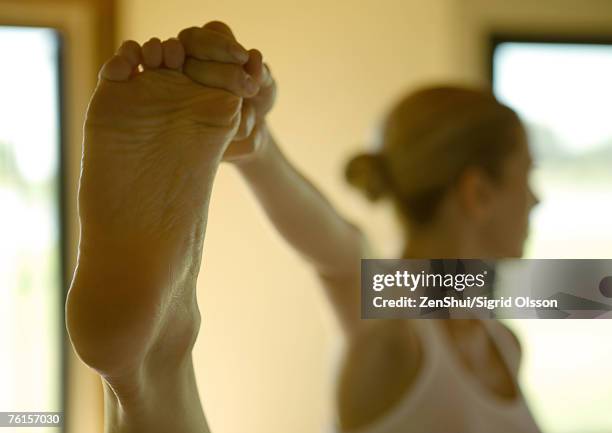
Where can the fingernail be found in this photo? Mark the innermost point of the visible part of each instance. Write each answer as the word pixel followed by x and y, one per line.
pixel 251 85
pixel 239 53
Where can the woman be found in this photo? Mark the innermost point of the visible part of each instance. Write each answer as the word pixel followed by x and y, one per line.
pixel 455 164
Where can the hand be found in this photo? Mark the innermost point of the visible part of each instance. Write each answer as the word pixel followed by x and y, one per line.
pixel 252 134
pixel 252 143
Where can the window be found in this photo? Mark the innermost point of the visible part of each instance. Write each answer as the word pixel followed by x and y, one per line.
pixel 563 92
pixel 31 289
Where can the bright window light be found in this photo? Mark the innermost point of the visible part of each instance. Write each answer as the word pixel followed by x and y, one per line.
pixel 563 93
pixel 30 266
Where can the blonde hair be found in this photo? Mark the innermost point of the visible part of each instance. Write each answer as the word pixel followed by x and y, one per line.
pixel 429 138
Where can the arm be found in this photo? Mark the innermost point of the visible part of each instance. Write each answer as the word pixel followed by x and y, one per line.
pixel 383 358
pixel 306 219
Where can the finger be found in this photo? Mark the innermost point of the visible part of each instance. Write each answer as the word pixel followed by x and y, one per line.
pixel 220 27
pixel 247 121
pixel 173 53
pixel 266 79
pixel 240 149
pixel 258 69
pixel 117 68
pixel 227 76
pixel 152 53
pixel 206 44
pixel 254 65
pixel 130 50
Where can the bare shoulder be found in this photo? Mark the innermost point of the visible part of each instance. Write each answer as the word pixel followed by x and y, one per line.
pixel 381 364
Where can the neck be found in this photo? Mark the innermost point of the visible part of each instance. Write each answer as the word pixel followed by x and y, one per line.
pixel 440 241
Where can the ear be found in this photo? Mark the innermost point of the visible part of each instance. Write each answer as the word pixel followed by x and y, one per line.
pixel 476 194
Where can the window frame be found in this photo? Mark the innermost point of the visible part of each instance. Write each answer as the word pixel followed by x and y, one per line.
pixel 86 32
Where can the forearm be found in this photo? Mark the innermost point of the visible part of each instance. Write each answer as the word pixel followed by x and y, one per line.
pixel 301 214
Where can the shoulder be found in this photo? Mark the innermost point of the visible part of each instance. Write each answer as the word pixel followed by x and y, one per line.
pixel 381 364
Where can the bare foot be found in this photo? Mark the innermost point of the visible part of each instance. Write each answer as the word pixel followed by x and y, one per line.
pixel 153 141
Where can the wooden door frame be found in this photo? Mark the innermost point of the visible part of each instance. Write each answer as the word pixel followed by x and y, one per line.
pixel 87 32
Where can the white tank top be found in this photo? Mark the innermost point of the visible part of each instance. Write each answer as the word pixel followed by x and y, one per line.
pixel 446 398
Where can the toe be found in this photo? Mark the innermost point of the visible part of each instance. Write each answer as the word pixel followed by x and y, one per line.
pixel 220 27
pixel 173 53
pixel 152 53
pixel 118 68
pixel 132 53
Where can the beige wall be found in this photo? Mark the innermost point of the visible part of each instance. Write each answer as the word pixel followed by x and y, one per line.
pixel 264 353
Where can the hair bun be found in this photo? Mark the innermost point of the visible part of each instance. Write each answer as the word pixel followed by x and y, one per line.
pixel 367 172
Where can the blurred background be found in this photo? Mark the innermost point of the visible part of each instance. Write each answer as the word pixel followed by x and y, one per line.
pixel 268 343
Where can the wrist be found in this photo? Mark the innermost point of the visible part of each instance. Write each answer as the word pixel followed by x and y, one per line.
pixel 265 150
